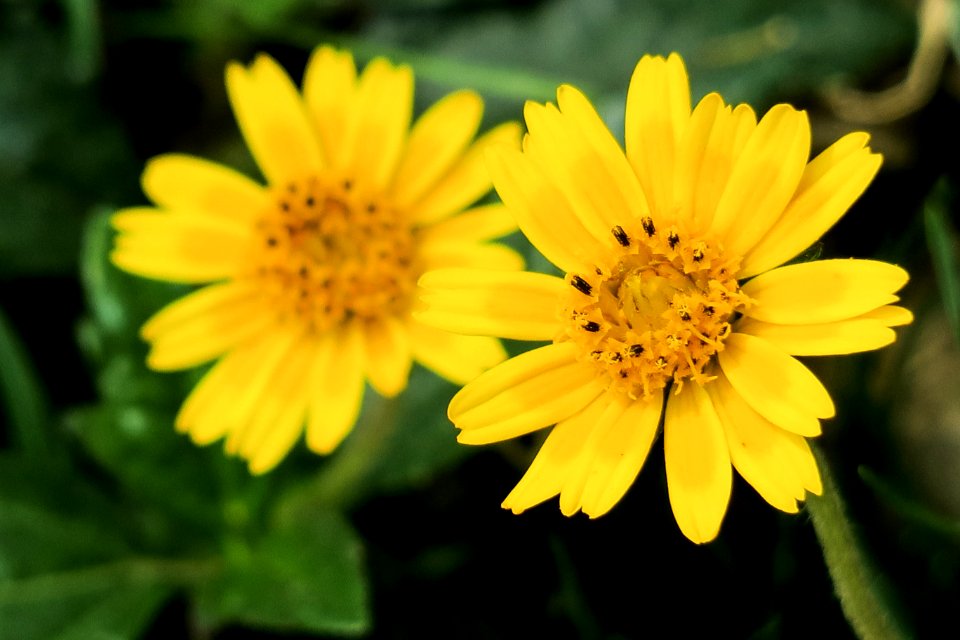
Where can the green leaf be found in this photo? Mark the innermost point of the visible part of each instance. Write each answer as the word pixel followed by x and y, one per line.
pixel 306 574
pixel 23 395
pixel 953 27
pixel 908 508
pixel 866 598
pixel 942 244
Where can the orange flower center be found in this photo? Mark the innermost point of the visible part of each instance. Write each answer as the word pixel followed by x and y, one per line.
pixel 330 251
pixel 659 312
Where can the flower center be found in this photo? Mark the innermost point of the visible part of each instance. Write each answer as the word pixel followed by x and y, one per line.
pixel 330 251
pixel 659 312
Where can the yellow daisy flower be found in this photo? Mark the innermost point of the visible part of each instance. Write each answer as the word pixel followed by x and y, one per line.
pixel 674 305
pixel 314 274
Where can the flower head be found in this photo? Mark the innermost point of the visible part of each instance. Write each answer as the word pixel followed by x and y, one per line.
pixel 314 274
pixel 674 309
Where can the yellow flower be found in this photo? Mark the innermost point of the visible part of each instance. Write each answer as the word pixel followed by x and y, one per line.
pixel 315 273
pixel 673 302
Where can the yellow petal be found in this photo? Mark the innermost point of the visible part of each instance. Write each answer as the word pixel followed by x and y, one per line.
pixel 179 248
pixel 764 178
pixel 438 139
pixel 329 88
pixel 607 409
pixel 273 120
pixel 830 338
pixel 543 214
pixel 699 477
pixel 277 420
pixel 470 255
pixel 552 465
pixel 467 180
pixel 776 385
pixel 387 355
pixel 336 384
pixel 279 347
pixel 621 455
pixel 510 373
pixel 577 154
pixel 823 291
pixel 533 404
pixel 378 123
pixel 204 325
pixel 657 114
pixel 890 316
pixel 777 463
pixel 188 184
pixel 459 359
pixel 509 304
pixel 830 184
pixel 214 395
pixel 475 225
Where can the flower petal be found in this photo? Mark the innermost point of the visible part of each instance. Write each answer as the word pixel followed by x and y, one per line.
pixel 475 225
pixel 329 89
pixel 178 248
pixel 657 114
pixel 378 123
pixel 542 213
pixel 830 184
pixel 890 315
pixel 188 184
pixel 273 120
pixel 559 454
pixel 469 255
pixel 531 391
pixel 439 137
pixel 336 384
pixel 467 180
pixel 764 178
pixel 509 304
pixel 620 454
pixel 830 338
pixel 457 358
pixel 777 463
pixel 776 385
pixel 387 356
pixel 699 477
pixel 823 291
pixel 204 325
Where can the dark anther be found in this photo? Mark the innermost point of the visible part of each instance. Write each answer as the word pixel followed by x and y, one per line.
pixel 598 270
pixel 684 314
pixel 581 285
pixel 271 241
pixel 621 236
pixel 591 326
pixel 647 224
pixel 310 201
pixel 616 357
pixel 661 361
pixel 597 353
pixel 623 374
pixel 673 239
pixel 347 185
pixel 636 349
pixel 285 206
pixel 304 272
pixel 709 310
pixel 371 208
pixel 697 255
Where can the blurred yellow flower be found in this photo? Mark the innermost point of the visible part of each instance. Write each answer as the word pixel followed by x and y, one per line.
pixel 315 273
pixel 673 304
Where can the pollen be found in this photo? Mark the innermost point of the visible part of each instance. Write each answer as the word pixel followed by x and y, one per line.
pixel 329 252
pixel 659 312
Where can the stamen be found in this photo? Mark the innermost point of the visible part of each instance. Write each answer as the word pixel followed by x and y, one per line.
pixel 621 236
pixel 581 285
pixel 648 228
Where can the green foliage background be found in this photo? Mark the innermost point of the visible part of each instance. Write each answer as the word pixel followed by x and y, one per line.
pixel 113 526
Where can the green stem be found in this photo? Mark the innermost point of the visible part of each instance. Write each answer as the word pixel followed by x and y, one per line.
pixel 865 598
pixel 22 393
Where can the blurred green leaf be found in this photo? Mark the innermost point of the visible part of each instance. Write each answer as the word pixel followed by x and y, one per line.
pixel 305 574
pixel 864 594
pixel 942 244
pixel 910 509
pixel 953 26
pixel 24 397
